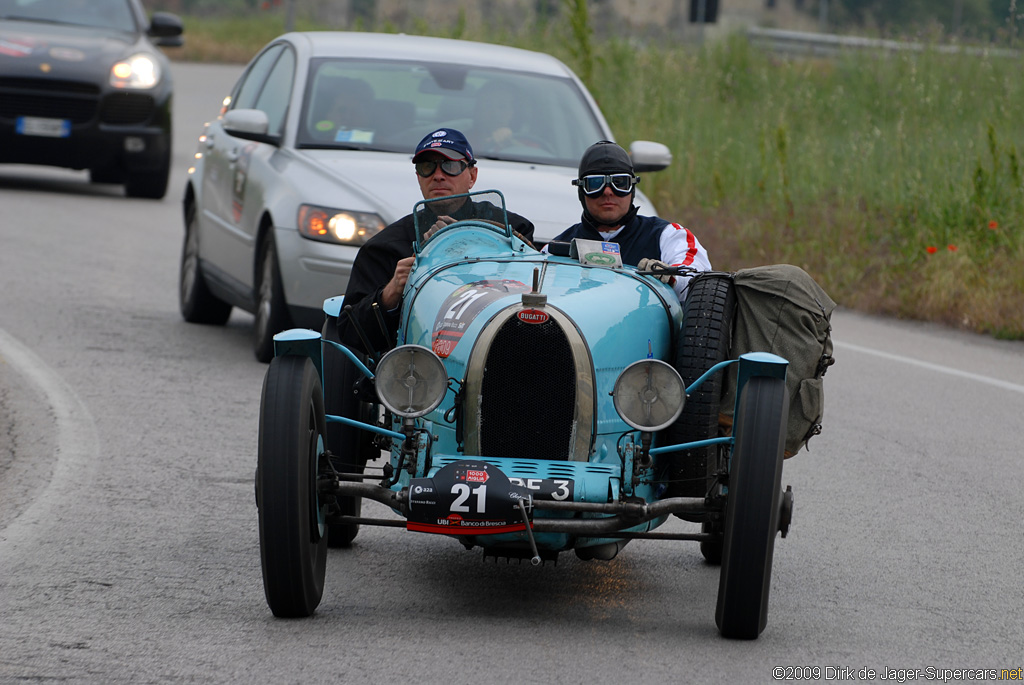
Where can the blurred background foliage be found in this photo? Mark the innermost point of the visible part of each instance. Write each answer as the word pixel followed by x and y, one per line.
pixel 894 177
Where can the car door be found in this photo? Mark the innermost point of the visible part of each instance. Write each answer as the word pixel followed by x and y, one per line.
pixel 230 240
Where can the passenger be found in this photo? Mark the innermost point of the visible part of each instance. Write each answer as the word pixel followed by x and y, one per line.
pixel 348 118
pixel 607 187
pixel 494 117
pixel 445 166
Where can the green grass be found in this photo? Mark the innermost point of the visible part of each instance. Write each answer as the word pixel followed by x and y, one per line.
pixel 851 168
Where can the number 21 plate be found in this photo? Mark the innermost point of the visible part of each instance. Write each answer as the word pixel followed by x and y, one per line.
pixel 466 498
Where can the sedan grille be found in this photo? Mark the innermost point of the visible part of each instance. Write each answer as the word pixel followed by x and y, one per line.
pixel 528 392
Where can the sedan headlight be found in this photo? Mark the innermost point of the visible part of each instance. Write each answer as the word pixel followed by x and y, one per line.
pixel 649 395
pixel 137 71
pixel 338 225
pixel 411 381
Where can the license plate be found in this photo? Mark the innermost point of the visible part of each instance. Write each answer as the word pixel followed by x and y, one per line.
pixel 40 126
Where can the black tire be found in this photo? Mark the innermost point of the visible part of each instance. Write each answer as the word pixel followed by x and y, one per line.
pixel 351 448
pixel 196 302
pixel 149 184
pixel 271 310
pixel 752 514
pixel 293 533
pixel 705 340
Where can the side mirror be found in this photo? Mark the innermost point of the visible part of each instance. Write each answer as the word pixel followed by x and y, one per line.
pixel 649 156
pixel 249 124
pixel 166 28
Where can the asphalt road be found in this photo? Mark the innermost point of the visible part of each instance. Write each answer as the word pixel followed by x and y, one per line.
pixel 129 550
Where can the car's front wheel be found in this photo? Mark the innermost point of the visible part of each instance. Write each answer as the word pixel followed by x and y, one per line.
pixel 149 184
pixel 292 517
pixel 271 310
pixel 752 513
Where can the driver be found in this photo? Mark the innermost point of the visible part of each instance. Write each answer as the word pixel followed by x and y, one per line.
pixel 445 166
pixel 607 188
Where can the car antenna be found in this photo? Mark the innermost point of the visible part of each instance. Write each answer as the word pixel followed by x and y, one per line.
pixel 361 333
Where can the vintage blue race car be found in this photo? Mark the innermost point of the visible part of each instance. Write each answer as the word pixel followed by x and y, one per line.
pixel 532 404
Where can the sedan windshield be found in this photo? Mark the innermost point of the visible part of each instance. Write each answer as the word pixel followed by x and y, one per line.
pixel 383 105
pixel 114 14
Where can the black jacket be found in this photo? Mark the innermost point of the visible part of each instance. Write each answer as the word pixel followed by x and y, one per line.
pixel 375 265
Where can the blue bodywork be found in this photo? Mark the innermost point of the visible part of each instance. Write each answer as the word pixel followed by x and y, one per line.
pixel 468 279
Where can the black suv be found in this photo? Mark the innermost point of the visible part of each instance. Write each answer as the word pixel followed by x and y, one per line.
pixel 83 86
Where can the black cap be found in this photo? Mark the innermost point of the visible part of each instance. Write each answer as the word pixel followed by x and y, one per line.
pixel 605 157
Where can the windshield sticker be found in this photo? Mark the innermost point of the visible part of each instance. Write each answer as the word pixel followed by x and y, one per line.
pixel 353 135
pixel 462 306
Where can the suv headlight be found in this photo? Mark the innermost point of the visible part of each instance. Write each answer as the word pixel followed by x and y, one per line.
pixel 411 381
pixel 649 395
pixel 338 226
pixel 138 71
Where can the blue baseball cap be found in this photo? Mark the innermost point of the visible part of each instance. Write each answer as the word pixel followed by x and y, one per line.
pixel 447 141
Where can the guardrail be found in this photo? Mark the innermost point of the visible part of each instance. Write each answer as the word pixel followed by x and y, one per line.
pixel 802 43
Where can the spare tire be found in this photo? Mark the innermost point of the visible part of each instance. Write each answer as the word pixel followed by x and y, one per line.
pixel 705 340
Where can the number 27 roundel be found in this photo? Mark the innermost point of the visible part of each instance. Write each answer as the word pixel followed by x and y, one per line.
pixel 466 498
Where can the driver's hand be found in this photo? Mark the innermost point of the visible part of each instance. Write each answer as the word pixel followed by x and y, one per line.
pixel 441 222
pixel 391 295
pixel 654 265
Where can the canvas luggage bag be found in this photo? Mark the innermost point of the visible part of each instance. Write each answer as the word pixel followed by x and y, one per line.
pixel 782 310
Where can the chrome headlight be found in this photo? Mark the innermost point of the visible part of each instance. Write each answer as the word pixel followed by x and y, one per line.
pixel 649 395
pixel 411 381
pixel 339 226
pixel 138 71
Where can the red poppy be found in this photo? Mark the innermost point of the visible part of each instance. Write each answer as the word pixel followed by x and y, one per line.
pixel 951 248
pixel 993 225
pixel 931 249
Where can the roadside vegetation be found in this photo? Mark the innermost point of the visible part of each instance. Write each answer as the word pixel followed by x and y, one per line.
pixel 896 179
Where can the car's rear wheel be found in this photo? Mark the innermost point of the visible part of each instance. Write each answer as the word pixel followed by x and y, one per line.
pixel 351 448
pixel 752 513
pixel 293 531
pixel 271 311
pixel 705 340
pixel 196 302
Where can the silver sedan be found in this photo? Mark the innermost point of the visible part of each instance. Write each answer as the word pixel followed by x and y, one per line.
pixel 310 156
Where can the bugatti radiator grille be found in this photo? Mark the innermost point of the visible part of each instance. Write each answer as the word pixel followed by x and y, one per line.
pixel 528 392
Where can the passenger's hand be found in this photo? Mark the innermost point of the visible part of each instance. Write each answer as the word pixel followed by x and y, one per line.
pixel 654 265
pixel 391 296
pixel 441 222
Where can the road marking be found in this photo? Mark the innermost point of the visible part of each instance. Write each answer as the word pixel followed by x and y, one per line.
pixel 1005 385
pixel 77 443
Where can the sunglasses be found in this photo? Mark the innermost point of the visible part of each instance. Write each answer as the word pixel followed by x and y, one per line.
pixel 451 167
pixel 622 184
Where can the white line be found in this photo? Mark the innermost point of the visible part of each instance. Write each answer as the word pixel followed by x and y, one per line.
pixel 77 443
pixel 1006 385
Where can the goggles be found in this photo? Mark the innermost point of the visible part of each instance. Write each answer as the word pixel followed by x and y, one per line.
pixel 451 167
pixel 622 184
